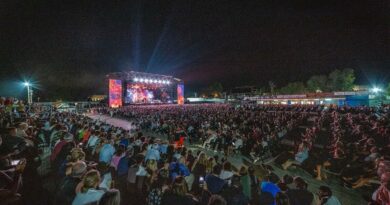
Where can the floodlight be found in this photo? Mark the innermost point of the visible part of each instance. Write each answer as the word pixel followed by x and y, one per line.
pixel 376 90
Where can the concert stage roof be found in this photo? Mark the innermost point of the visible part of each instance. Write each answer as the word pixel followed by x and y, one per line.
pixel 146 78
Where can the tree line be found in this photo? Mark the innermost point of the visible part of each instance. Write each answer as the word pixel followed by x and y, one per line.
pixel 337 80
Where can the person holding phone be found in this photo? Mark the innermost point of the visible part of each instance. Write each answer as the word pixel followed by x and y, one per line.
pixel 12 178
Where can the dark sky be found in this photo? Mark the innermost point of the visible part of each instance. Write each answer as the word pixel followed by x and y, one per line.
pixel 68 46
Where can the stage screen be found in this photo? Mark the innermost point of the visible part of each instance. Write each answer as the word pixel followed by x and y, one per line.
pixel 140 94
pixel 180 94
pixel 115 93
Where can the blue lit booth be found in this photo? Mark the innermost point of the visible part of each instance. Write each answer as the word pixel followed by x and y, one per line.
pixel 128 88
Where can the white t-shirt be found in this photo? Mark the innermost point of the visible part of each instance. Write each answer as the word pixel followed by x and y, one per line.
pixel 226 175
pixel 333 201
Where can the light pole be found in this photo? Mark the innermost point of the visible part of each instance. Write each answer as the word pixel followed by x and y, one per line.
pixel 29 92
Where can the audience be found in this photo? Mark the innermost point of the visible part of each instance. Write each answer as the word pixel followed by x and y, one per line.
pixel 91 162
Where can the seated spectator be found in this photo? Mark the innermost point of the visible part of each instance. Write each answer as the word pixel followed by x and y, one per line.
pixel 11 182
pixel 282 199
pixel 66 192
pixel 158 186
pixel 382 194
pixel 178 194
pixel 300 156
pixel 86 190
pixel 217 200
pixel 76 154
pixel 110 197
pixel 106 152
pixel 300 195
pixel 286 183
pixel 326 197
pixel 119 153
pixel 107 181
pixel 266 198
pixel 269 185
pixel 234 194
pixel 245 182
pixel 199 169
pixel 153 153
pixel 213 182
pixel 178 168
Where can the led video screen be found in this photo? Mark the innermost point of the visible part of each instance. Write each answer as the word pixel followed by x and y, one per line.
pixel 180 94
pixel 115 93
pixel 138 94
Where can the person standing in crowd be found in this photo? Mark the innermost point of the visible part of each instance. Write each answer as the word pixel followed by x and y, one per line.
pixel 178 194
pixel 245 182
pixel 199 170
pixel 213 182
pixel 226 173
pixel 153 153
pixel 269 185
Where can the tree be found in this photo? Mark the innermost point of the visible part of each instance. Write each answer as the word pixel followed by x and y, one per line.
pixel 293 88
pixel 317 83
pixel 214 90
pixel 341 80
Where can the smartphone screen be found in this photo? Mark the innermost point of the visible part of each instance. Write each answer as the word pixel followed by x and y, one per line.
pixel 15 162
pixel 201 181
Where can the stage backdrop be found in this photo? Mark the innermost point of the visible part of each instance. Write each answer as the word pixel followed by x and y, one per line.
pixel 115 93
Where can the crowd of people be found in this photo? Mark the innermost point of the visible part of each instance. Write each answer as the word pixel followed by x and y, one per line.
pixel 91 162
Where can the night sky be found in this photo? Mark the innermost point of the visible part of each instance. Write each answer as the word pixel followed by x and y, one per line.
pixel 68 46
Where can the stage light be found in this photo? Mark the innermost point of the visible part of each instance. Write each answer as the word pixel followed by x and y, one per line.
pixel 27 84
pixel 168 82
pixel 376 90
pixel 141 80
pixel 159 81
pixel 135 79
pixel 154 81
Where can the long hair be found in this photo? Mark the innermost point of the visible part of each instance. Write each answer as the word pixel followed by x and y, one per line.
pixel 202 159
pixel 179 186
pixel 90 180
pixel 111 197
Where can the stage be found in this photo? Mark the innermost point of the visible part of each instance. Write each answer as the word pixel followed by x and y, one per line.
pixel 129 88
